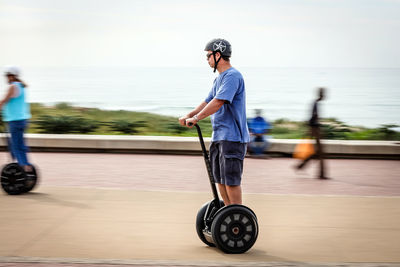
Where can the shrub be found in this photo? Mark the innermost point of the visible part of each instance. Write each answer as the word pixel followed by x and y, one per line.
pixel 280 130
pixel 387 133
pixel 83 125
pixel 126 127
pixel 282 121
pixel 331 131
pixel 63 105
pixel 61 124
pixel 175 127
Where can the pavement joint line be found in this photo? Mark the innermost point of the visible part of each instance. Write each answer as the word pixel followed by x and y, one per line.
pixel 117 262
pixel 202 192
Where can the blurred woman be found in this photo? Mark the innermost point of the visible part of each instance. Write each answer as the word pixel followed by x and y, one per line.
pixel 16 113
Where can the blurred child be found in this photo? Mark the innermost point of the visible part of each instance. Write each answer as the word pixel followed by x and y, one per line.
pixel 258 128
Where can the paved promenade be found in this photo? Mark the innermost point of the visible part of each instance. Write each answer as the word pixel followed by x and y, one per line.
pixel 139 210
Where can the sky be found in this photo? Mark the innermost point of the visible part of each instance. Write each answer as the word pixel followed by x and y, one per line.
pixel 271 33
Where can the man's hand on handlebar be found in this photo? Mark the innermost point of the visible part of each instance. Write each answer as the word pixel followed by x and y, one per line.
pixel 191 122
pixel 182 120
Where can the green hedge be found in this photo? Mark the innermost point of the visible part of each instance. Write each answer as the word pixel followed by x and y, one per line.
pixel 62 124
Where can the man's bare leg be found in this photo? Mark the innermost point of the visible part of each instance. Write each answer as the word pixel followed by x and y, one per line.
pixel 234 194
pixel 224 195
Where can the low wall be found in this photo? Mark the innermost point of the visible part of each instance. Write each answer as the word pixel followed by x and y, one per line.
pixel 190 145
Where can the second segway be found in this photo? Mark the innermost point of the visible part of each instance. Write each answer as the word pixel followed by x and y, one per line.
pixel 233 228
pixel 14 180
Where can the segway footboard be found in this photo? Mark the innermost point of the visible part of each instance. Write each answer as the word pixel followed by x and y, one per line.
pixel 204 220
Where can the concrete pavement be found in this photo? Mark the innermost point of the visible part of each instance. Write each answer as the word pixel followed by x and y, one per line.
pixel 140 210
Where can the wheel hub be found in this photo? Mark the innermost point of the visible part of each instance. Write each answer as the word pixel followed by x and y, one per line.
pixel 235 230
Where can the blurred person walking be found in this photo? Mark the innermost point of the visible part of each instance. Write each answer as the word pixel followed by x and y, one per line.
pixel 16 113
pixel 226 103
pixel 315 132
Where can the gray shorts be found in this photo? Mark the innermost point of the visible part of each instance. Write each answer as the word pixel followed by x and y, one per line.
pixel 226 160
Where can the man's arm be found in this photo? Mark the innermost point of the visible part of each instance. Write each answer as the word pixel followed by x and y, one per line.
pixel 212 107
pixel 198 109
pixel 182 120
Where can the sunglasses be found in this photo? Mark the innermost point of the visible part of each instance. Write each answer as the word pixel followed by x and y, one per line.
pixel 208 56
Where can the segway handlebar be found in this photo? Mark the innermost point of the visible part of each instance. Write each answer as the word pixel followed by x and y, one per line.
pixel 208 165
pixel 203 146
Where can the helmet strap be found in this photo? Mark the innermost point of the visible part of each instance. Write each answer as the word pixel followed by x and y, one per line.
pixel 216 61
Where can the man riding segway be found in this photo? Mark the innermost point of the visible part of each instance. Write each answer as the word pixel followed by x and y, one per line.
pixel 226 103
pixel 230 226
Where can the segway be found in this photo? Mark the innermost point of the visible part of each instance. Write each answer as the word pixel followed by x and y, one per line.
pixel 14 180
pixel 233 228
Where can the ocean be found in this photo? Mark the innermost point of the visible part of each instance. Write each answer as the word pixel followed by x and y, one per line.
pixel 366 97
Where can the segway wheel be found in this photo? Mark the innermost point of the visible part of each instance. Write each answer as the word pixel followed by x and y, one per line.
pixel 31 179
pixel 235 229
pixel 200 225
pixel 13 179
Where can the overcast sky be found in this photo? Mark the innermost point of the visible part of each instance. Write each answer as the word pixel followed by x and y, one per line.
pixel 280 33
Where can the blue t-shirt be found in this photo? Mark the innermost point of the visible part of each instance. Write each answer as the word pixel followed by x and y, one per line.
pixel 229 122
pixel 258 125
pixel 16 108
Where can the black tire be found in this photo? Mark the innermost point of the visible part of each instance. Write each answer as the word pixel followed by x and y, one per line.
pixel 30 180
pixel 235 229
pixel 13 179
pixel 200 222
